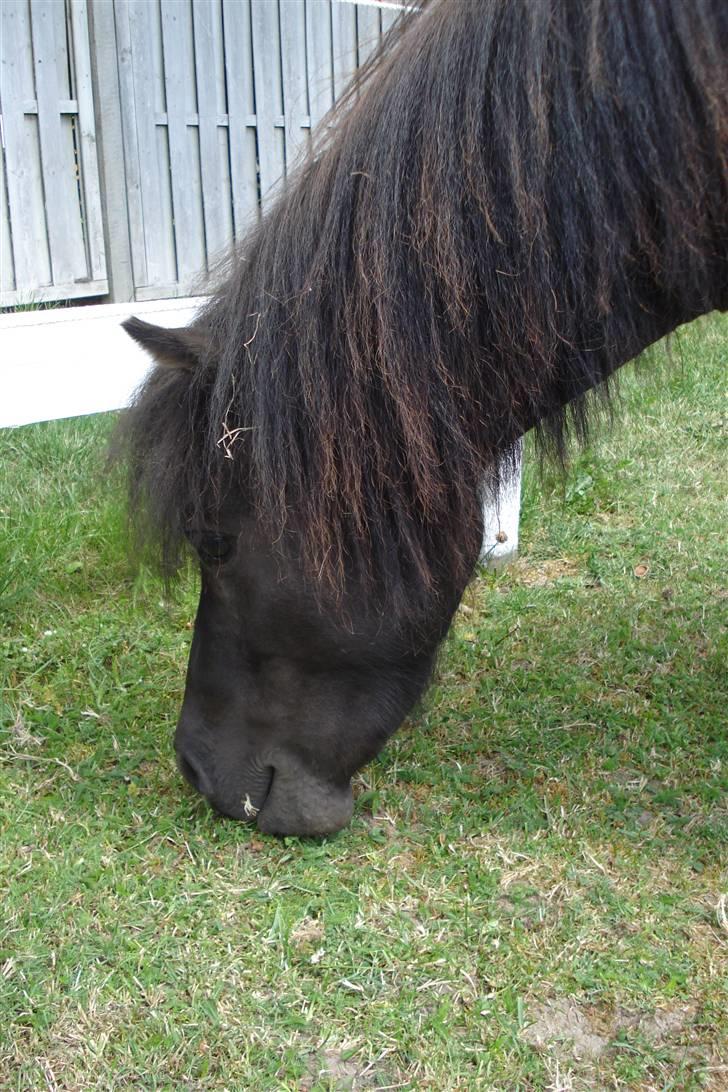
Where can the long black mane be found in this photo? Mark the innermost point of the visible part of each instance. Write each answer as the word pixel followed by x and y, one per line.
pixel 516 197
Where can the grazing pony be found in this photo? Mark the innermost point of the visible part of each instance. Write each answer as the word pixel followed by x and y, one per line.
pixel 515 198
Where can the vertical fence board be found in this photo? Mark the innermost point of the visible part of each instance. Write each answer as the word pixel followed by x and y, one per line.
pixel 240 106
pixel 86 135
pixel 145 178
pixel 215 201
pixel 161 135
pixel 343 30
pixel 106 90
pixel 131 138
pixel 178 79
pixel 68 259
pixel 223 136
pixel 7 271
pixel 22 163
pixel 157 239
pixel 268 104
pixel 319 59
pixel 367 31
pixel 55 13
pixel 389 17
pixel 293 61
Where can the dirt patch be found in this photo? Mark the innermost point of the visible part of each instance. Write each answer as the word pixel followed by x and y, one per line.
pixel 562 1022
pixel 660 1026
pixel 332 1069
pixel 567 1028
pixel 491 768
pixel 542 574
pixel 308 932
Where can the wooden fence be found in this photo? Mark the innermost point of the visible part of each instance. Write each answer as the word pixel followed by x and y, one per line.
pixel 51 233
pixel 198 109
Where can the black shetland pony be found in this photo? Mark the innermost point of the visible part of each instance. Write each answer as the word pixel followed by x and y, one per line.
pixel 516 198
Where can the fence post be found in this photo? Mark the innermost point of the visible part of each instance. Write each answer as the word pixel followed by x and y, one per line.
pixel 501 518
pixel 107 106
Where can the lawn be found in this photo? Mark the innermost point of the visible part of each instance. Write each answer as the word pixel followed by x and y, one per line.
pixel 533 891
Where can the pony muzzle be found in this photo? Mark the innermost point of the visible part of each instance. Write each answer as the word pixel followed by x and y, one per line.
pixel 285 799
pixel 300 803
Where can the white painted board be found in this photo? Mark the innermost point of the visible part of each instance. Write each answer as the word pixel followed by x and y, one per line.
pixel 501 518
pixel 71 361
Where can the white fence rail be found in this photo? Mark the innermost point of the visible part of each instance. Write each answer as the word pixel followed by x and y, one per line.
pixel 71 361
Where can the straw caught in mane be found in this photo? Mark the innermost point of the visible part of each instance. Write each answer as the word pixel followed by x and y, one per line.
pixel 517 197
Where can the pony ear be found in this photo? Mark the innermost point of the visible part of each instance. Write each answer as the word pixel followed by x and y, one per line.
pixel 172 347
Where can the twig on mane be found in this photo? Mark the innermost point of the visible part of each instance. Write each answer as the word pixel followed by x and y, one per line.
pixel 230 435
pixel 251 339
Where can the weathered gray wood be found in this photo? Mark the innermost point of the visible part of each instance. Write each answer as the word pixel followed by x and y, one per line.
pixel 319 59
pixel 158 237
pixel 184 170
pixel 240 107
pixel 268 97
pixel 368 26
pixel 131 141
pixel 51 293
pixel 343 30
pixel 169 271
pixel 223 143
pixel 22 161
pixel 110 143
pixel 87 142
pixel 52 176
pixel 207 103
pixel 295 96
pixel 56 14
pixel 68 259
pixel 390 15
pixel 215 197
pixel 65 106
pixel 7 272
pixel 133 19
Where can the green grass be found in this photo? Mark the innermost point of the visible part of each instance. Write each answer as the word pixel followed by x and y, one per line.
pixel 532 893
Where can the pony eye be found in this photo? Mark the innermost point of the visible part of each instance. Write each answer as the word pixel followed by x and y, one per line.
pixel 213 548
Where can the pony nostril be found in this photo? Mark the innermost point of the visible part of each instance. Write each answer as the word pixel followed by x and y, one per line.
pixel 192 772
